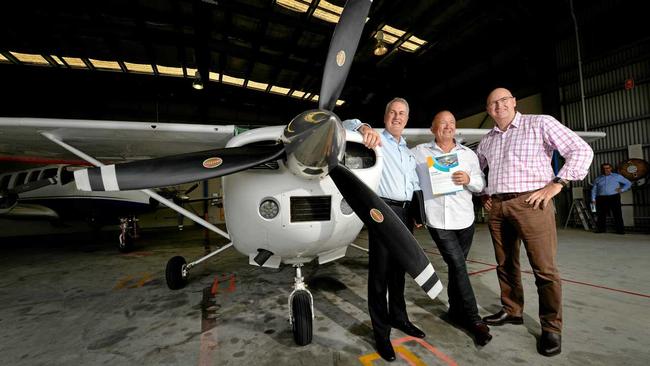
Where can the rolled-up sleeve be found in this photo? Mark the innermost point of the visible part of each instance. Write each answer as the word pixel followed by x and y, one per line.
pixel 576 152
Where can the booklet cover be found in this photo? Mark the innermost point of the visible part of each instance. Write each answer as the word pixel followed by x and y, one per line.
pixel 441 168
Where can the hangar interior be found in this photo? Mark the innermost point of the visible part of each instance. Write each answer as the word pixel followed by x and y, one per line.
pixel 256 63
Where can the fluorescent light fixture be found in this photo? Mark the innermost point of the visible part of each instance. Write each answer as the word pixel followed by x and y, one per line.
pixel 3 59
pixel 315 98
pixel 214 76
pixel 340 102
pixel 139 68
pixel 105 65
pixel 29 58
pixel 75 62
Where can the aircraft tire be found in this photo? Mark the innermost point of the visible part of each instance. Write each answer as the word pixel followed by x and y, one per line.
pixel 302 321
pixel 174 273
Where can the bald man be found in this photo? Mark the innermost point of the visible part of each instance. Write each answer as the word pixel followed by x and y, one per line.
pixel 521 186
pixel 450 220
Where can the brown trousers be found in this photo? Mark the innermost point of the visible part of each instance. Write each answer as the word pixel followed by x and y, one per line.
pixel 511 220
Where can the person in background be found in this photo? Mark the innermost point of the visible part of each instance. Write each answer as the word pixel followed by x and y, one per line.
pixel 606 195
pixel 450 220
pixel 396 186
pixel 521 186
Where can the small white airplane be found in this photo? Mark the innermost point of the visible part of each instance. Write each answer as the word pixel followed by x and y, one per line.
pixel 292 194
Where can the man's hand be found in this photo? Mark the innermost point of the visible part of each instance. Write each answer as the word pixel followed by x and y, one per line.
pixel 487 202
pixel 371 137
pixel 619 190
pixel 541 197
pixel 460 178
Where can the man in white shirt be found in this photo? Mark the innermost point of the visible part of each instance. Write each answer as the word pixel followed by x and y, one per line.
pixel 450 219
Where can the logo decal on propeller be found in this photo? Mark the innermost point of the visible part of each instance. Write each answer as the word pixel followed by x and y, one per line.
pixel 340 58
pixel 376 215
pixel 211 163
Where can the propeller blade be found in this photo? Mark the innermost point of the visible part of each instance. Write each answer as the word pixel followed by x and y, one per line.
pixel 376 214
pixel 341 52
pixel 176 169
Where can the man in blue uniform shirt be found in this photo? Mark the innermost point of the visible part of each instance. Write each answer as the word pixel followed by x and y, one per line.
pixel 396 186
pixel 606 194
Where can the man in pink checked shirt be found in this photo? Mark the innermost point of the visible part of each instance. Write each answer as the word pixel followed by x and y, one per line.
pixel 521 185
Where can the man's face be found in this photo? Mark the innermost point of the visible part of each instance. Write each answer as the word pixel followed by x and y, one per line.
pixel 607 169
pixel 444 126
pixel 501 105
pixel 395 119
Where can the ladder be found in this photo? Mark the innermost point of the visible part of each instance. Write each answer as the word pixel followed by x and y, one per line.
pixel 579 210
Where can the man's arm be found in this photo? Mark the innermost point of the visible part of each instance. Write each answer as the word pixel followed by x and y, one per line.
pixel 371 138
pixel 476 179
pixel 594 190
pixel 576 152
pixel 625 182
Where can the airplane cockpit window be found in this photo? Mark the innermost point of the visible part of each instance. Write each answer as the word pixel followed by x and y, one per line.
pixel 357 156
pixel 33 176
pixel 49 173
pixel 4 182
pixel 66 176
pixel 20 179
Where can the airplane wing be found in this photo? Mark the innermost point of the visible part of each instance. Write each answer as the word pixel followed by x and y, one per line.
pixel 471 136
pixel 113 141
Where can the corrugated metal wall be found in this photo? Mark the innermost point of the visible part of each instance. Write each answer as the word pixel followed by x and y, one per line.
pixel 624 114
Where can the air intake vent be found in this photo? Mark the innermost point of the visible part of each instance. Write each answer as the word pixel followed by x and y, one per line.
pixel 313 208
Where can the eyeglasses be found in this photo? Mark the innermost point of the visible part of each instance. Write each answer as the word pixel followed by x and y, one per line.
pixel 499 101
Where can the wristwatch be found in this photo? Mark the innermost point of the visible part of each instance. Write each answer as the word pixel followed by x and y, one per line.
pixel 563 182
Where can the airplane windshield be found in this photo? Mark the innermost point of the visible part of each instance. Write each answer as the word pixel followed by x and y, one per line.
pixel 357 156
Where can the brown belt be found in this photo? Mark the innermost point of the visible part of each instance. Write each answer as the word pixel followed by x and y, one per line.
pixel 509 196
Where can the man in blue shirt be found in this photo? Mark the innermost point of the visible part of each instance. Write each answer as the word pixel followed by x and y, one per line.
pixel 396 186
pixel 606 194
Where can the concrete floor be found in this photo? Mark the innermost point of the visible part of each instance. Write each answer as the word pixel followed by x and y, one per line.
pixel 73 300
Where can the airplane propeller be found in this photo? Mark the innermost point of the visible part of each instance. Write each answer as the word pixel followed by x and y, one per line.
pixel 313 144
pixel 9 197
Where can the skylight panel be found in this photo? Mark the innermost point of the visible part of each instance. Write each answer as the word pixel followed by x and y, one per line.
pixel 279 90
pixel 3 59
pixel 172 71
pixel 232 80
pixel 340 102
pixel 300 6
pixel 29 58
pixel 105 65
pixel 298 94
pixel 139 68
pixel 257 86
pixel 214 76
pixel 75 62
pixel 58 60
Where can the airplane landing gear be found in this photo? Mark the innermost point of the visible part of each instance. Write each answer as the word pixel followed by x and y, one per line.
pixel 301 309
pixel 176 273
pixel 129 231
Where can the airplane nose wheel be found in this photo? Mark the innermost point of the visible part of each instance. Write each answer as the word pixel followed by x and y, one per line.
pixel 176 273
pixel 301 306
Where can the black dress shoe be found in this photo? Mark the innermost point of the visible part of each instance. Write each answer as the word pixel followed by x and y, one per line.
pixel 550 344
pixel 385 349
pixel 502 318
pixel 481 333
pixel 409 328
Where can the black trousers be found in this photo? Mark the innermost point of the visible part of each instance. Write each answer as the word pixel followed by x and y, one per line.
pixel 454 246
pixel 605 204
pixel 385 274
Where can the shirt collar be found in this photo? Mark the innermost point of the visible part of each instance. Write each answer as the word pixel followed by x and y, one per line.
pixel 434 146
pixel 402 140
pixel 515 124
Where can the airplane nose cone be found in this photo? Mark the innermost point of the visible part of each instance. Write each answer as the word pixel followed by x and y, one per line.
pixel 314 143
